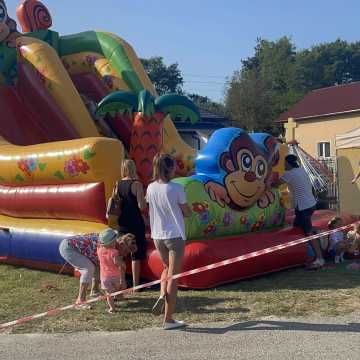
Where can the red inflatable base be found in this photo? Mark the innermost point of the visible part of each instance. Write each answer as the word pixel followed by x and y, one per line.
pixel 201 253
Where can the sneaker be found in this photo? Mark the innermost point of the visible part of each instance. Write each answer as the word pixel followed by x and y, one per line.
pixel 317 264
pixel 337 259
pixel 173 325
pixel 159 306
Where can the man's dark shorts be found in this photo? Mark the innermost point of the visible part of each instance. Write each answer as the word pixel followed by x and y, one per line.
pixel 303 220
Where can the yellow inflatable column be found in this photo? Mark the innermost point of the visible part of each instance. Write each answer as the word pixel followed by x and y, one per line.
pixel 57 81
pixel 173 144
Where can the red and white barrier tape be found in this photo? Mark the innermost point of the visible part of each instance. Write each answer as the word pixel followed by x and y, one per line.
pixel 177 276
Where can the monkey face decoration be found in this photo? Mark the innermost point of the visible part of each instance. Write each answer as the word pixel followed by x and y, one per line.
pixel 8 31
pixel 235 168
pixel 247 169
pixel 4 28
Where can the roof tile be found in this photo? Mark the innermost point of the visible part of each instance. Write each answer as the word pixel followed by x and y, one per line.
pixel 330 100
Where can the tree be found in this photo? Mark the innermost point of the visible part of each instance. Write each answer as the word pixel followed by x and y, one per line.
pixel 277 77
pixel 329 64
pixel 166 79
pixel 247 101
pixel 205 104
pixel 265 86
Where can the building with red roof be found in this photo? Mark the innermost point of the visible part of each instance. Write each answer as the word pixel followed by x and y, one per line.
pixel 322 114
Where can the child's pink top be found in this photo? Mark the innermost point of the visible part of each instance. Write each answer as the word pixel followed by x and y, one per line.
pixel 108 268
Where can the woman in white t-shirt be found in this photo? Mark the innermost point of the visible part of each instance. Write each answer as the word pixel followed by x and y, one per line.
pixel 167 207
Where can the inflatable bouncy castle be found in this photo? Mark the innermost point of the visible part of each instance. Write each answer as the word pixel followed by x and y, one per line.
pixel 72 107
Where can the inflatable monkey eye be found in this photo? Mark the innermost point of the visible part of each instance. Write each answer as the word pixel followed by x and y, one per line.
pixel 260 169
pixel 3 13
pixel 246 161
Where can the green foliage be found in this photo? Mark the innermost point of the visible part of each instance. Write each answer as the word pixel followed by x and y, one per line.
pixel 168 79
pixel 205 104
pixel 264 87
pixel 329 64
pixel 248 102
pixel 278 76
pixel 165 78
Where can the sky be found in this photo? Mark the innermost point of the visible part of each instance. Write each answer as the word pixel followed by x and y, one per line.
pixel 207 38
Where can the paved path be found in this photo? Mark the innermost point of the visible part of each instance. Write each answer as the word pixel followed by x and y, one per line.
pixel 270 338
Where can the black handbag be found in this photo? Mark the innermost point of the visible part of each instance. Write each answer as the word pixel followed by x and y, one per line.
pixel 114 206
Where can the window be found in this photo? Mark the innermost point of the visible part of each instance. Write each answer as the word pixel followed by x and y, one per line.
pixel 323 149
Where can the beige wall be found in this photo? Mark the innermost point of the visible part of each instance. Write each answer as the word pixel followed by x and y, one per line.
pixel 349 194
pixel 309 133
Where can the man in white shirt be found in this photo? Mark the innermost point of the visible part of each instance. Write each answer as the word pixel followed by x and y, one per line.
pixel 304 201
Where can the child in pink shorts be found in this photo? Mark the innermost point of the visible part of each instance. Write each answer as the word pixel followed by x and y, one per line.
pixel 110 263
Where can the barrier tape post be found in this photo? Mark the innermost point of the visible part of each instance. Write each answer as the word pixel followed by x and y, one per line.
pixel 177 276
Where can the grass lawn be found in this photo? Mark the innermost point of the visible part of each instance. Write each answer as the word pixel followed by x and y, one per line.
pixel 291 293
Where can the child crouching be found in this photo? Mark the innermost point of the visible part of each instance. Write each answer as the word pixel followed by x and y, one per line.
pixel 110 264
pixel 338 242
pixel 354 238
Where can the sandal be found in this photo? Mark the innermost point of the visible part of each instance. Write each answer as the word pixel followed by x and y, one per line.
pixel 159 306
pixel 82 306
pixel 112 311
pixel 95 294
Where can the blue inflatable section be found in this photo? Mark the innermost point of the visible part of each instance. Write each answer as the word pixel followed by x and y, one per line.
pixel 4 243
pixel 34 246
pixel 207 162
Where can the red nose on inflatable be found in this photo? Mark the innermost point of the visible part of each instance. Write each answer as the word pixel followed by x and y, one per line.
pixel 250 176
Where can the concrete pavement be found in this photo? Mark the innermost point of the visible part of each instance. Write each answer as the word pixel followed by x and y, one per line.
pixel 270 338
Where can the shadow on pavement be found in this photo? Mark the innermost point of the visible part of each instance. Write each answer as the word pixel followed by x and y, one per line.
pixel 277 326
pixel 197 305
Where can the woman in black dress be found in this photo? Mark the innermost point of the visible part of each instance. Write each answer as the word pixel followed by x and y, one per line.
pixel 131 221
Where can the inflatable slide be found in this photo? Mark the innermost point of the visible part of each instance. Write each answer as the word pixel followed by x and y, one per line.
pixel 72 107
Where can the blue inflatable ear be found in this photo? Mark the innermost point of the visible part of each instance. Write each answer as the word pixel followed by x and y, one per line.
pixel 207 162
pixel 268 144
pixel 234 166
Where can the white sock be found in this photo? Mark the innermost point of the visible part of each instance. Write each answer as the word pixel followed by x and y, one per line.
pixel 337 259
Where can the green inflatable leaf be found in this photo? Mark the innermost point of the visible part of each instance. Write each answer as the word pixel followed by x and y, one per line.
pixel 146 103
pixel 42 166
pixel 19 178
pixel 118 101
pixel 178 106
pixel 59 175
pixel 88 154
